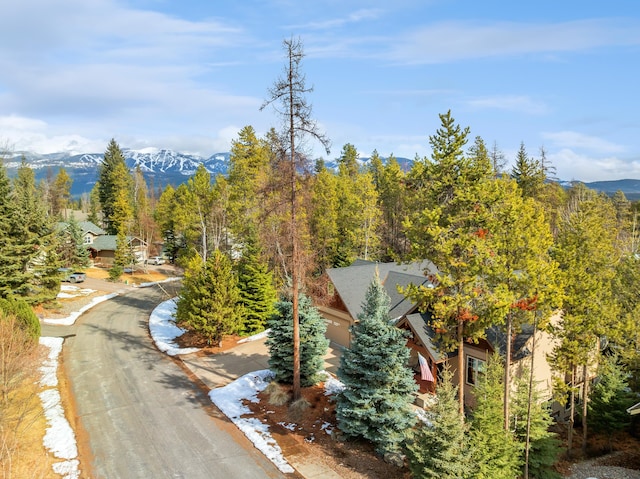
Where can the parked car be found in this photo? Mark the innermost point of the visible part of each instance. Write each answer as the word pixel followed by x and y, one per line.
pixel 71 276
pixel 156 260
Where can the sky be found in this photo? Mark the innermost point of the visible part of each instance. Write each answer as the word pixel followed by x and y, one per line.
pixel 189 75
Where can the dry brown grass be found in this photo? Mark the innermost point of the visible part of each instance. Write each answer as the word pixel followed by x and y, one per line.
pixel 137 277
pixel 22 422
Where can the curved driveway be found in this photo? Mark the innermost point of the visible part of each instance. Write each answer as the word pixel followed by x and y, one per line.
pixel 144 417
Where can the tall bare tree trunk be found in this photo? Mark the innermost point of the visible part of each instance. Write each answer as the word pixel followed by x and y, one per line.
pixel 460 369
pixel 294 247
pixel 527 439
pixel 585 402
pixel 507 373
pixel 572 411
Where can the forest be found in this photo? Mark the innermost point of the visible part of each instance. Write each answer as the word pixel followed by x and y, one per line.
pixel 511 247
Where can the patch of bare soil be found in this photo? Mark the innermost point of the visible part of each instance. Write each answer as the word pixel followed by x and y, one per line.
pixel 309 433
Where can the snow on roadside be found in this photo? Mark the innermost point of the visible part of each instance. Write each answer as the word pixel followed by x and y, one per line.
pixel 69 320
pixel 163 329
pixel 229 400
pixel 59 438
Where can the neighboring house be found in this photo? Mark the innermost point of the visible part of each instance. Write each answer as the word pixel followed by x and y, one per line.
pixel 347 291
pixel 102 247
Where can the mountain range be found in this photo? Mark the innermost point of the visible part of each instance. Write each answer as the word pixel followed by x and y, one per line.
pixel 162 167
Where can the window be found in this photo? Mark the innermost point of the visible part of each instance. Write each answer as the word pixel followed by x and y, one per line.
pixel 475 367
pixel 87 239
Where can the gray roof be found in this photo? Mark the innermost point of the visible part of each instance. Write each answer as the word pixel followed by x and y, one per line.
pixel 108 242
pixel 425 334
pixel 104 243
pixel 352 282
pixel 89 227
pixel 498 341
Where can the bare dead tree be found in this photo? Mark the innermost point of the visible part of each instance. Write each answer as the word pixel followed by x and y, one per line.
pixel 288 98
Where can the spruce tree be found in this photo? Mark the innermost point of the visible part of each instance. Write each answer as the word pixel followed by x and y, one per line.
pixel 10 266
pixel 610 399
pixel 114 180
pixel 439 448
pixel 313 343
pixel 35 241
pixel 496 454
pixel 376 401
pixel 208 301
pixel 257 292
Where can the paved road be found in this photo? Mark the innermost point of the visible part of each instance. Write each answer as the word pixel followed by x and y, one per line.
pixel 144 417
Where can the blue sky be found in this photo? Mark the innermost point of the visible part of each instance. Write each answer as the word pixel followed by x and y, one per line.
pixel 188 75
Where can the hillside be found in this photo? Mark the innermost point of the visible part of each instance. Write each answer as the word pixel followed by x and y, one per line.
pixel 162 167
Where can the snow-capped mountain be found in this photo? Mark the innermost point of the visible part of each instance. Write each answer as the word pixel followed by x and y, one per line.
pixel 160 167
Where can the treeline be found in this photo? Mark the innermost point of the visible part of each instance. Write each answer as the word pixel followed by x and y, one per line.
pixel 511 247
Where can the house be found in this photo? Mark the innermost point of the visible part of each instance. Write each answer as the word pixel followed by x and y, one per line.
pixel 102 246
pixel 347 289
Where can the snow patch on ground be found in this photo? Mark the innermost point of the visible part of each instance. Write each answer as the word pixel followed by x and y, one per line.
pixel 164 330
pixel 59 438
pixel 255 337
pixel 69 320
pixel 229 400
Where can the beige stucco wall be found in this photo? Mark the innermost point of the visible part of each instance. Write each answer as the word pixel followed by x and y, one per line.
pixel 338 323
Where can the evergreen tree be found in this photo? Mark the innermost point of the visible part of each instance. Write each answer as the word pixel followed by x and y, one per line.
pixel 544 446
pixel 390 182
pixel 37 278
pixel 528 173
pixel 248 173
pixel 451 214
pixel 10 266
pixel 208 301
pixel 313 343
pixel 440 448
pixel 257 292
pixel 23 312
pixel 114 181
pixel 586 254
pixel 72 251
pixel 376 401
pixel 610 399
pixel 324 217
pixel 60 193
pixel 496 454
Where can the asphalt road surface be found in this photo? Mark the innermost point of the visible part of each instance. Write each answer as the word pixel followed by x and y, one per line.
pixel 144 417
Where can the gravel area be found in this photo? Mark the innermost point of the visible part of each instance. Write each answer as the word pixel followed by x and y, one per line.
pixel 595 469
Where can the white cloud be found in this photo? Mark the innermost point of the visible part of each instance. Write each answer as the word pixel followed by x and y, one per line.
pixel 580 141
pixel 354 17
pixel 517 103
pixel 457 40
pixel 571 165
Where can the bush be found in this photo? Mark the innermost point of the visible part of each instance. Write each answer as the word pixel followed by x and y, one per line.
pixel 26 318
pixel 115 272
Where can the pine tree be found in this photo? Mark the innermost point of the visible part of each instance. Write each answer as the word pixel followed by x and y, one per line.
pixel 440 447
pixel 448 224
pixel 544 446
pixel 313 344
pixel 586 254
pixel 324 217
pixel 208 301
pixel 610 399
pixel 496 454
pixel 376 401
pixel 257 292
pixel 288 95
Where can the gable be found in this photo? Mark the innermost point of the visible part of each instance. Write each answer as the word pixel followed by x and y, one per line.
pixel 351 283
